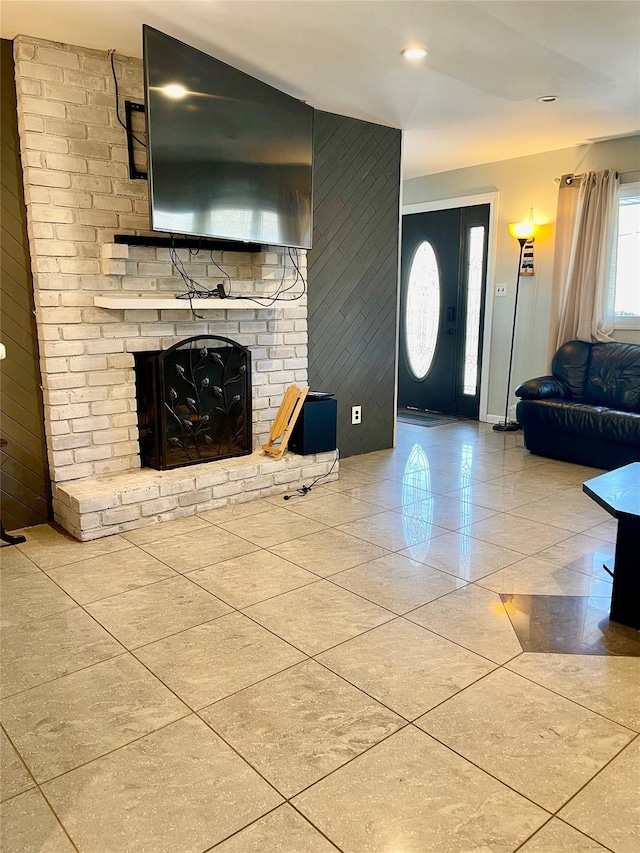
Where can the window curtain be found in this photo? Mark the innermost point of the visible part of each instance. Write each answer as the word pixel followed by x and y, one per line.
pixel 584 255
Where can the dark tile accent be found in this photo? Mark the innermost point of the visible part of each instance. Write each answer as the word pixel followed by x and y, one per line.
pixel 569 624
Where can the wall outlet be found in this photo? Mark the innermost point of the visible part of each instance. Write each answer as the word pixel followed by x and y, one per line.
pixel 501 289
pixel 356 414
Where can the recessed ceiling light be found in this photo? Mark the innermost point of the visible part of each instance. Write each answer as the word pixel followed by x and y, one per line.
pixel 414 53
pixel 547 99
pixel 174 90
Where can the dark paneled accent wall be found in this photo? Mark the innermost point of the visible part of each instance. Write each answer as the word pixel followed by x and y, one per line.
pixel 353 275
pixel 25 473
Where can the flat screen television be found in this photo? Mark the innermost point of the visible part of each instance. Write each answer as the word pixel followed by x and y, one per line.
pixel 229 156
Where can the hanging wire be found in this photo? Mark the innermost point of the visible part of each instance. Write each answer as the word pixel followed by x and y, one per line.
pixel 195 290
pixel 115 80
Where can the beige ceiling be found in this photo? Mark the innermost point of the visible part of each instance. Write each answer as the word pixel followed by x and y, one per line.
pixel 471 100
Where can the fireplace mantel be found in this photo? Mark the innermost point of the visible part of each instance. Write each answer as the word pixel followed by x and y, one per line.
pixel 172 303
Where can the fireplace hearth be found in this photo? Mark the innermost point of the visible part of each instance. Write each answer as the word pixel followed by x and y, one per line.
pixel 194 402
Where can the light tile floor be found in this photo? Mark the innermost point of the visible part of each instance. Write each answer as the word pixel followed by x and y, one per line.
pixel 339 672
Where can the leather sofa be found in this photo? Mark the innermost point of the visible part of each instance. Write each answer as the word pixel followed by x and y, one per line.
pixel 588 411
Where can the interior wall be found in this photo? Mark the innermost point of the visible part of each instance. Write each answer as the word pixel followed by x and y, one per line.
pixel 353 275
pixel 26 497
pixel 526 182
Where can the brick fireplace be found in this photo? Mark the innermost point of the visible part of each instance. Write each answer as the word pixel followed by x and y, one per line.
pixel 79 195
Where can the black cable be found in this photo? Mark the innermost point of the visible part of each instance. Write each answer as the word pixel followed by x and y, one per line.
pixel 192 284
pixel 303 490
pixel 115 80
pixel 296 279
pixel 197 291
pixel 268 301
pixel 277 297
pixel 225 274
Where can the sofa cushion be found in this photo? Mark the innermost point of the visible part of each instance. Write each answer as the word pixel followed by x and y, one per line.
pixel 589 421
pixel 542 387
pixel 613 377
pixel 570 365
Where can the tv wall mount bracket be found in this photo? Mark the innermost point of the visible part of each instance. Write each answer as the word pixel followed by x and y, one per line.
pixel 130 108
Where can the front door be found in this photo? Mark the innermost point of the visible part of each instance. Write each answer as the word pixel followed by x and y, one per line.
pixel 443 274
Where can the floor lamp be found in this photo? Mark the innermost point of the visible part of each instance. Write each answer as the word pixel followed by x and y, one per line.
pixel 523 232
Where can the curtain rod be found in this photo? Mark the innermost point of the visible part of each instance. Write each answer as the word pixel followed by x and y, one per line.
pixel 568 180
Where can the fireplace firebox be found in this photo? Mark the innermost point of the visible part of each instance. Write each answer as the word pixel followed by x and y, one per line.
pixel 194 402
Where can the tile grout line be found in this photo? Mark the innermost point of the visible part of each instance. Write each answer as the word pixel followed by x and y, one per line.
pixel 586 834
pixel 404 719
pixel 242 828
pixel 189 713
pixel 547 823
pixel 125 651
pixel 317 828
pixel 596 774
pixel 346 763
pixel 271 811
pixel 484 770
pixel 301 650
pixel 569 699
pixel 23 764
pixel 37 787
pixel 127 547
pixel 250 686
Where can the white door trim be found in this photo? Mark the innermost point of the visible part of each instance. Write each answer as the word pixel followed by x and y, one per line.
pixel 493 200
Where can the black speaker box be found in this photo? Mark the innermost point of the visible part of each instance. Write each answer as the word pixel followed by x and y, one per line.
pixel 316 428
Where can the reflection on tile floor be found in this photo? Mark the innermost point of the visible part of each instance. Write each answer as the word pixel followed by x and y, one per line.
pixel 396 662
pixel 569 624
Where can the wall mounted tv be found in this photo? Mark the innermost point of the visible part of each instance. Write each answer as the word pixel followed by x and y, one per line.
pixel 229 156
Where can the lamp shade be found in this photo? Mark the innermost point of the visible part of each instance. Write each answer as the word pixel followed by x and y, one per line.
pixel 522 230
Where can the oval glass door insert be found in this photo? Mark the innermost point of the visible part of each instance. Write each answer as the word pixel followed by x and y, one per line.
pixel 422 310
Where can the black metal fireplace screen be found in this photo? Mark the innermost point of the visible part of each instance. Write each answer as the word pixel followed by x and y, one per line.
pixel 194 402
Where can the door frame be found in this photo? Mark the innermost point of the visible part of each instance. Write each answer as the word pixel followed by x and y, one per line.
pixel 493 200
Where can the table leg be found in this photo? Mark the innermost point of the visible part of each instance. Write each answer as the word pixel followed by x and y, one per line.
pixel 625 598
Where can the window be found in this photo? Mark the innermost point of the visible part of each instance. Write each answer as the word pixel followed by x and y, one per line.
pixel 422 310
pixel 475 266
pixel 627 259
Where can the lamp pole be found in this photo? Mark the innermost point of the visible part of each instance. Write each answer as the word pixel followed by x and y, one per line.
pixel 507 425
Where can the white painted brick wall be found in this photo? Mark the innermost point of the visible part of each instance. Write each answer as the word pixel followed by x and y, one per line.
pixel 78 196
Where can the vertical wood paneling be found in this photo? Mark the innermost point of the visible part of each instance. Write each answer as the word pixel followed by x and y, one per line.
pixel 25 489
pixel 353 275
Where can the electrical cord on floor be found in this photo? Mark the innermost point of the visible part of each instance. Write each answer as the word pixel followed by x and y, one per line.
pixel 304 490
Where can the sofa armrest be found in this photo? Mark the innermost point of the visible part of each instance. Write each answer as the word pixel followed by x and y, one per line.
pixel 541 388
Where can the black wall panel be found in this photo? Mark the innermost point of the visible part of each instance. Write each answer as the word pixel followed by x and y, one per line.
pixel 353 275
pixel 25 491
